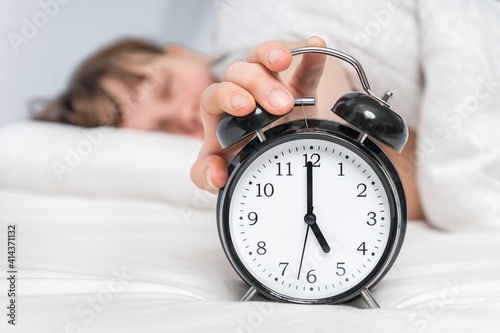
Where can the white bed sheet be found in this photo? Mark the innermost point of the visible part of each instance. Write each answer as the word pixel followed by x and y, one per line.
pixel 101 264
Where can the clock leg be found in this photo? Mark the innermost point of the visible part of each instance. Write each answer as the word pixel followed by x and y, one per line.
pixel 367 296
pixel 249 294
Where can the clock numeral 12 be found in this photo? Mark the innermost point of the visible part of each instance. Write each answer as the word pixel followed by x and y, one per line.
pixel 314 160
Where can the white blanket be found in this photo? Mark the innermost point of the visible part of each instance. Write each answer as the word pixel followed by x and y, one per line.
pixel 113 261
pixel 441 59
pixel 89 264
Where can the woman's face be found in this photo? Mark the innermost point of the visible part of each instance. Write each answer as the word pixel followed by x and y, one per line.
pixel 168 100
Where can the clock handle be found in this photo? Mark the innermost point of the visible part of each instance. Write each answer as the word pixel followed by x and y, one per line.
pixel 231 129
pixel 368 113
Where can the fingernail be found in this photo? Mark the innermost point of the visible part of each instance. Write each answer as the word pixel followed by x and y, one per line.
pixel 274 55
pixel 239 101
pixel 278 98
pixel 208 178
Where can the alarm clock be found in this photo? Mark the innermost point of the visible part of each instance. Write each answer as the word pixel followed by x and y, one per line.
pixel 314 211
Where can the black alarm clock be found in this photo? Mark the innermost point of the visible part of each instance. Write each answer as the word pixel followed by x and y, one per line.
pixel 314 211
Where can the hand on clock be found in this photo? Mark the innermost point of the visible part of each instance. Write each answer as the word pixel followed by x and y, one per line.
pixel 310 218
pixel 247 83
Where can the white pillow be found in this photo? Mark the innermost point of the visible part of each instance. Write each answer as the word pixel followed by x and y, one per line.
pixel 100 161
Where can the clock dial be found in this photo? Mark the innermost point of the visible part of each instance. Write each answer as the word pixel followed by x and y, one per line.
pixel 309 218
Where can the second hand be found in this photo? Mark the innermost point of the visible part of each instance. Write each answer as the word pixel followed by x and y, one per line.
pixel 303 251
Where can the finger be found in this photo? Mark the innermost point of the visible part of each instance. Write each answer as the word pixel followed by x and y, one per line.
pixel 218 100
pixel 209 172
pixel 306 77
pixel 274 56
pixel 227 97
pixel 264 86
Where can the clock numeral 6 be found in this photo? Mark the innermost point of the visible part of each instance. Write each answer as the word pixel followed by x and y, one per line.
pixel 311 278
pixel 267 190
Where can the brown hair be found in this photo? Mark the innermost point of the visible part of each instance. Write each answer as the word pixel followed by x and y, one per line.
pixel 85 103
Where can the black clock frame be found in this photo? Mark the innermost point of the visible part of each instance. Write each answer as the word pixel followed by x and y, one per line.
pixel 344 135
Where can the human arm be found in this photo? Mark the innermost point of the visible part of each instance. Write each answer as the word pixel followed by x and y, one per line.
pixel 256 80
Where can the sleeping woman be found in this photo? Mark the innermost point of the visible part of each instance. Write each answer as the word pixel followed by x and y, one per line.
pixel 136 84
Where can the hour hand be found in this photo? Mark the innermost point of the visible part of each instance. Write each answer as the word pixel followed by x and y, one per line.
pixel 310 219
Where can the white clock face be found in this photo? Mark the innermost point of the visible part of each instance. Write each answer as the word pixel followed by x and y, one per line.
pixel 310 231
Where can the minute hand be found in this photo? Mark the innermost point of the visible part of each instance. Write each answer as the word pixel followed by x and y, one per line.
pixel 310 218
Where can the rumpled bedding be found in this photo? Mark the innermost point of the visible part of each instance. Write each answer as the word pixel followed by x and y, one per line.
pixel 126 265
pixel 113 261
pixel 441 59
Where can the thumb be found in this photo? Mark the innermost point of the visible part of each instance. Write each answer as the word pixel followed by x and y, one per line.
pixel 306 77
